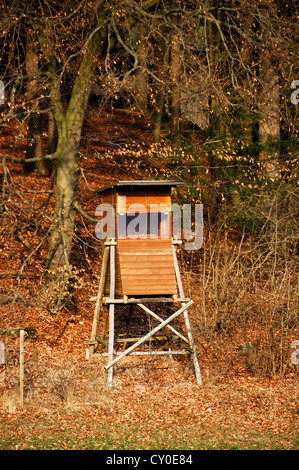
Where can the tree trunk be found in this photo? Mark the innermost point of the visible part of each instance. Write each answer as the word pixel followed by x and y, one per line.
pixel 52 142
pixel 65 194
pixel 60 243
pixel 269 125
pixel 157 116
pixel 34 142
pixel 141 83
pixel 175 67
pixel 162 57
pixel 269 97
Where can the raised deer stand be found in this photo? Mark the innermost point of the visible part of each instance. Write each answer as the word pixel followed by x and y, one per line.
pixel 114 357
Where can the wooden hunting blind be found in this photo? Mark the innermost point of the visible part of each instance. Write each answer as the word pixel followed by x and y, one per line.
pixel 139 263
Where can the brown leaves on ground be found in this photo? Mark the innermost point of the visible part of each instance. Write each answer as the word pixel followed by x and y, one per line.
pixel 153 404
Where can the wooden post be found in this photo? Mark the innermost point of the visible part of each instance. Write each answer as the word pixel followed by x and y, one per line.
pixel 22 334
pixel 99 298
pixel 111 314
pixel 187 322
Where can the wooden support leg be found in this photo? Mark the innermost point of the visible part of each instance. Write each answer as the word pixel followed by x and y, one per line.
pixel 110 344
pixel 111 315
pixel 99 298
pixel 105 323
pixel 187 322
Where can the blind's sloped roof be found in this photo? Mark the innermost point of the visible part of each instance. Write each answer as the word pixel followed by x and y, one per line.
pixel 143 183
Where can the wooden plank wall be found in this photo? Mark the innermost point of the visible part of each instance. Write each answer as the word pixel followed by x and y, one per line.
pixel 143 198
pixel 147 267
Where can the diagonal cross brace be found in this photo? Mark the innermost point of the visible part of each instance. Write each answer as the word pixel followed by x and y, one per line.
pixel 147 310
pixel 151 333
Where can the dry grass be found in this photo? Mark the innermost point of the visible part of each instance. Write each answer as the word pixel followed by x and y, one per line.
pixel 246 296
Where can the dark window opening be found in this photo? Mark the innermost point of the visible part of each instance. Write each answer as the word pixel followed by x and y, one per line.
pixel 143 225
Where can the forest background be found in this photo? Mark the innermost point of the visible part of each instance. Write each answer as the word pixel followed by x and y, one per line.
pixel 200 91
